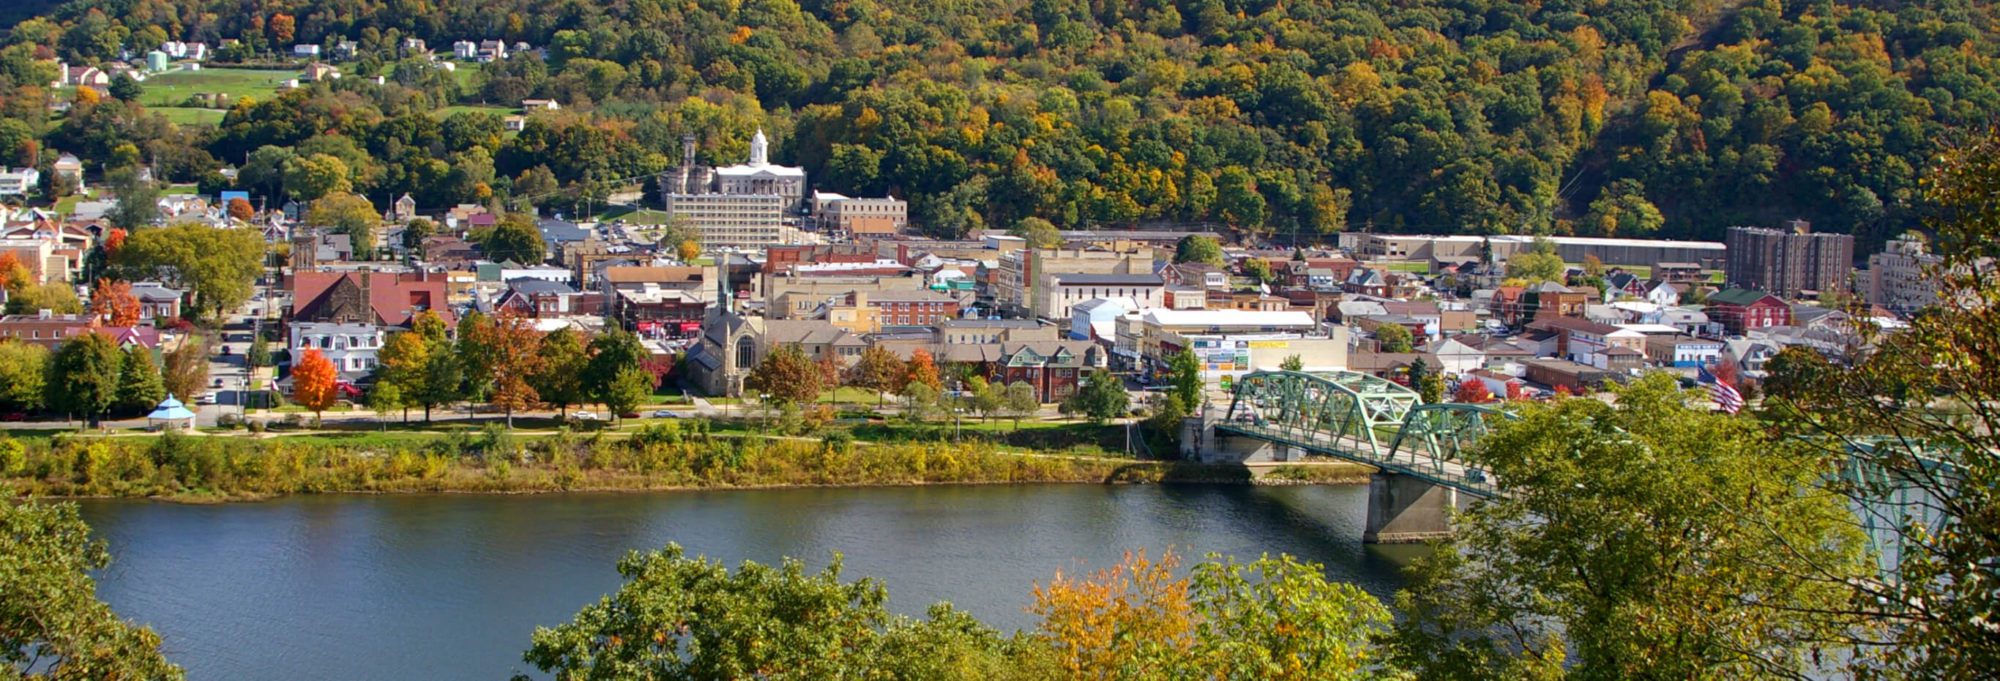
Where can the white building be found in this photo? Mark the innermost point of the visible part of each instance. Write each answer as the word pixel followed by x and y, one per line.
pixel 19 181
pixel 760 177
pixel 1058 293
pixel 465 49
pixel 1900 277
pixel 351 347
pixel 888 215
pixel 731 221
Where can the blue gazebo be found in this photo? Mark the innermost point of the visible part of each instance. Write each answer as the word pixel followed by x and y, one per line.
pixel 171 413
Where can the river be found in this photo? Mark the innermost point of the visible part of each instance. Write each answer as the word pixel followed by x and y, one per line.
pixel 444 587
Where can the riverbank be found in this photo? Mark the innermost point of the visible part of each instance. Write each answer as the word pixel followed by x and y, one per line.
pixel 218 469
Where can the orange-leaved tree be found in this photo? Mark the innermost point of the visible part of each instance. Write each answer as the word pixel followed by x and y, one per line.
pixel 922 369
pixel 515 348
pixel 112 301
pixel 313 382
pixel 241 209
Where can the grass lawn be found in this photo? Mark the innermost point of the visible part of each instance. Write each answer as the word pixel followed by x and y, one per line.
pixel 450 111
pixel 171 89
pixel 67 204
pixel 181 190
pixel 850 395
pixel 187 116
pixel 1410 267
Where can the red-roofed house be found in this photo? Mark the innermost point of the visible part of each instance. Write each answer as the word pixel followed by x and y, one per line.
pixel 367 297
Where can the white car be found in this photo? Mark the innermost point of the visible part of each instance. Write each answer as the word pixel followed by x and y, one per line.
pixel 206 398
pixel 582 416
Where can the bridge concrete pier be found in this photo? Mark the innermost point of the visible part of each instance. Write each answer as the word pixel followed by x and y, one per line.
pixel 1200 441
pixel 1404 509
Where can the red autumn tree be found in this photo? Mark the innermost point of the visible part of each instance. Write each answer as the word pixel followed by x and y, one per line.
pixel 313 382
pixel 112 301
pixel 113 240
pixel 1473 391
pixel 240 209
pixel 1513 390
pixel 1564 391
pixel 12 272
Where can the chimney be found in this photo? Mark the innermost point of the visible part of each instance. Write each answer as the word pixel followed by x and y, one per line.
pixel 367 290
pixel 45 313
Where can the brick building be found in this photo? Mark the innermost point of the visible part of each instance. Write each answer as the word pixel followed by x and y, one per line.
pixel 1788 261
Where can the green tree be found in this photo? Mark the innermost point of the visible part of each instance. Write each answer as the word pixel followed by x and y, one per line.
pixel 53 626
pixel 385 397
pixel 920 401
pixel 1394 338
pixel 443 379
pixel 1022 401
pixel 138 200
pixel 1038 232
pixel 1644 540
pixel 219 266
pixel 184 373
pixel 1917 407
pixel 1292 363
pixel 788 376
pixel 350 214
pixel 626 391
pixel 125 88
pixel 24 371
pixel 1260 270
pixel 515 239
pixel 988 399
pixel 478 354
pixel 559 380
pixel 1184 374
pixel 140 387
pixel 1102 397
pixel 55 297
pixel 692 618
pixel 311 178
pixel 1538 264
pixel 1237 201
pixel 259 354
pixel 416 232
pixel 83 377
pixel 611 353
pixel 1199 248
pixel 404 360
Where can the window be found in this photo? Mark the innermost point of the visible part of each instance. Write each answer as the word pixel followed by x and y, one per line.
pixel 746 353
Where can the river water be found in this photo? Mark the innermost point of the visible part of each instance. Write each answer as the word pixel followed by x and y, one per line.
pixel 448 587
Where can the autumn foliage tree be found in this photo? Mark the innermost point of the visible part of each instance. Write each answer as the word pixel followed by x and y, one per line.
pixel 921 369
pixel 877 369
pixel 788 376
pixel 515 347
pixel 241 209
pixel 313 382
pixel 112 301
pixel 1472 391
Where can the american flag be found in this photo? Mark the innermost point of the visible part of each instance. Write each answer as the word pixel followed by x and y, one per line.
pixel 1725 396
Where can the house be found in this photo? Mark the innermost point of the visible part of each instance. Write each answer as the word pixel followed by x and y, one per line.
pixel 1662 293
pixel 1588 342
pixel 1740 310
pixel 317 72
pixel 156 301
pixel 1197 275
pixel 352 347
pixel 345 50
pixel 85 76
pixel 49 330
pixel 306 51
pixel 19 181
pixel 515 123
pixel 540 104
pixel 1456 357
pixel 1683 351
pixel 1577 378
pixel 1063 291
pixel 366 296
pixel 1550 299
pixel 68 166
pixel 492 50
pixel 537 298
pixel 465 49
pixel 1620 283
pixel 1054 368
pixel 406 208
pixel 1367 281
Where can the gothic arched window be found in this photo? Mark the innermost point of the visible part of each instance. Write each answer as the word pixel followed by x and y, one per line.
pixel 746 353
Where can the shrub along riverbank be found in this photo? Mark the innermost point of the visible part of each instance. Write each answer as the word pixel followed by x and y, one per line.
pixel 196 468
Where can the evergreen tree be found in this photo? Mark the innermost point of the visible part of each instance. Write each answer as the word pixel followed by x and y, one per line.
pixel 140 387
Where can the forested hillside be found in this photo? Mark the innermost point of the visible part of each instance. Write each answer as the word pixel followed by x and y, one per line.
pixel 1613 117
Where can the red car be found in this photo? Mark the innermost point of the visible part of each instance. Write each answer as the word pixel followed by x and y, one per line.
pixel 13 416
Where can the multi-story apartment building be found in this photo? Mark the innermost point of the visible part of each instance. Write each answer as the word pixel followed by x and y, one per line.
pixel 353 348
pixel 1902 276
pixel 1788 261
pixel 732 220
pixel 1022 272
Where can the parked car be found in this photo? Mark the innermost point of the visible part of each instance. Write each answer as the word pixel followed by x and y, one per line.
pixel 206 398
pixel 582 416
pixel 14 416
pixel 668 414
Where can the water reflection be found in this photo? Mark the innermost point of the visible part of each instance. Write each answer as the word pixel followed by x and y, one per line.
pixel 450 586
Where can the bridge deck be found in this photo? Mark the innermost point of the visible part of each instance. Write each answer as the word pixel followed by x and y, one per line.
pixel 1458 476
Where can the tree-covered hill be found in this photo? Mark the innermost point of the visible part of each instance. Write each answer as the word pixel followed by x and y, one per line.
pixel 1607 117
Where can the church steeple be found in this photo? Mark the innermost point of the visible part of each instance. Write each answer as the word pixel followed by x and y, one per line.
pixel 759 149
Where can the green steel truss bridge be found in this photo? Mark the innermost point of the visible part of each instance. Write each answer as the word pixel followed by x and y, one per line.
pixel 1364 419
pixel 1360 418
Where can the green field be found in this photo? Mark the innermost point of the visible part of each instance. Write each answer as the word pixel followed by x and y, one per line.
pixel 172 88
pixel 449 111
pixel 167 92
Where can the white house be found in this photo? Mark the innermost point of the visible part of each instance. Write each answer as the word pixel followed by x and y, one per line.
pixel 352 347
pixel 465 49
pixel 308 51
pixel 1663 294
pixel 19 181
